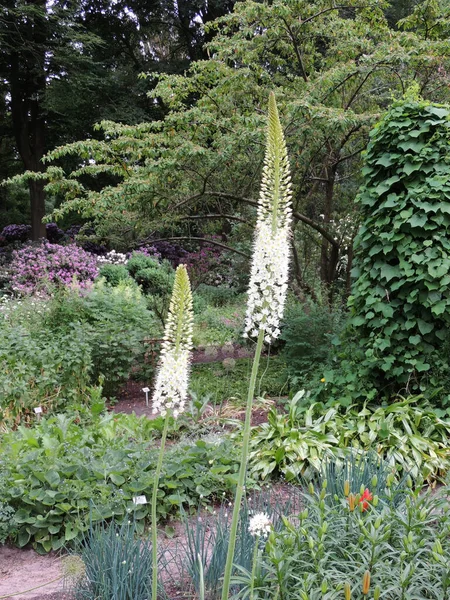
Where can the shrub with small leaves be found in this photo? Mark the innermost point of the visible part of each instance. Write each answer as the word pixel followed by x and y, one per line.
pixel 16 233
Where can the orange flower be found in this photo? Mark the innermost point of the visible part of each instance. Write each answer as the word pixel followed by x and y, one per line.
pixel 351 502
pixel 365 499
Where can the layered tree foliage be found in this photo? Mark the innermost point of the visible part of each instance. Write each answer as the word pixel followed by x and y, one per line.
pixel 334 70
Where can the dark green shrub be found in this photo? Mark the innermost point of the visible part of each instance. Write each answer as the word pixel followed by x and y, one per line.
pixel 114 274
pixel 156 280
pixel 42 368
pixel 308 330
pixel 401 297
pixel 51 350
pixel 118 321
pixel 139 261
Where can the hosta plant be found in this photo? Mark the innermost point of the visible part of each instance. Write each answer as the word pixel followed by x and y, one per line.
pixel 407 434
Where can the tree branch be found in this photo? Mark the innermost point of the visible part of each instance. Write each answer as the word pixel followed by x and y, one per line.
pixel 298 216
pixel 218 216
pixel 198 239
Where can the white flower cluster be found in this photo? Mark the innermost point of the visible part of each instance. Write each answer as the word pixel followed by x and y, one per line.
pixel 270 265
pixel 173 375
pixel 112 258
pixel 172 383
pixel 260 525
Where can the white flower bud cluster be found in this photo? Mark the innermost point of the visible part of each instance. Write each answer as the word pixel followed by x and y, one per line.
pixel 270 265
pixel 172 379
pixel 112 258
pixel 260 525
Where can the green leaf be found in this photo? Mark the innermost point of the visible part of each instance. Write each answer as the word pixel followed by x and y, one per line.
pixel 70 532
pixel 388 272
pixel 422 366
pixel 23 538
pixel 53 478
pixel 424 327
pixel 117 479
pixel 418 220
pixel 436 110
pixel 438 270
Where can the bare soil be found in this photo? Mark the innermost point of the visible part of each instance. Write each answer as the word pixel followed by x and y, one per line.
pixel 24 569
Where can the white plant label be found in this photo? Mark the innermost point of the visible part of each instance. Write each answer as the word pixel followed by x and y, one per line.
pixel 38 410
pixel 146 390
pixel 139 500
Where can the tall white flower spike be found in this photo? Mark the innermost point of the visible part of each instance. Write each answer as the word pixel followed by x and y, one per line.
pixel 173 375
pixel 270 265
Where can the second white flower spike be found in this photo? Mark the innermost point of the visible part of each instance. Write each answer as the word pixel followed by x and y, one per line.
pixel 173 375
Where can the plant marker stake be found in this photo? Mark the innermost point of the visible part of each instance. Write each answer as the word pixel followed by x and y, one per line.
pixel 38 412
pixel 146 391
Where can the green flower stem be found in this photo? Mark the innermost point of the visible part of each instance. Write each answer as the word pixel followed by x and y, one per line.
pixel 154 501
pixel 254 561
pixel 242 469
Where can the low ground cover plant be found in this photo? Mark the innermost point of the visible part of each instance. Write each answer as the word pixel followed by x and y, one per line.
pixel 407 433
pixel 52 474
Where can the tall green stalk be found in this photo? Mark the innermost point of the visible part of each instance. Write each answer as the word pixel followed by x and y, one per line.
pixel 242 469
pixel 154 502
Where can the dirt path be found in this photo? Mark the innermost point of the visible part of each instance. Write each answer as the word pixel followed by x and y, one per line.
pixel 22 570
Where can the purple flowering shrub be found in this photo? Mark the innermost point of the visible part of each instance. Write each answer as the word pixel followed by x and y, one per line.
pixel 174 253
pixel 54 233
pixel 149 251
pixel 204 263
pixel 16 233
pixel 34 267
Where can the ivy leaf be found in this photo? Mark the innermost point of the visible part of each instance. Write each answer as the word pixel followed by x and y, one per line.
pixel 388 272
pixel 438 270
pixel 411 167
pixel 439 308
pixel 385 160
pixel 424 327
pixel 422 366
pixel 439 112
pixel 418 220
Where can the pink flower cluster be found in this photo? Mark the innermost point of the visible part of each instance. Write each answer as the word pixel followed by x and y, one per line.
pixel 34 267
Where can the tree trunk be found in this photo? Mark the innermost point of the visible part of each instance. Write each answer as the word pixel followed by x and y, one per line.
pixel 28 82
pixel 37 203
pixel 328 257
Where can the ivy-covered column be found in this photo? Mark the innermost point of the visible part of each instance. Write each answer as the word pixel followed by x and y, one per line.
pixel 401 297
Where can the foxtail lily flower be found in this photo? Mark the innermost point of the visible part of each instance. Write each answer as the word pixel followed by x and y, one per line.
pixel 271 253
pixel 173 375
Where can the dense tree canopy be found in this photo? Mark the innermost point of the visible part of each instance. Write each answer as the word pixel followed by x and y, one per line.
pixel 335 70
